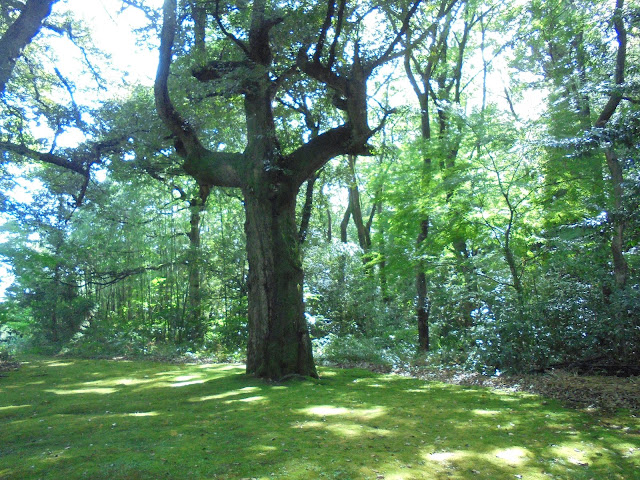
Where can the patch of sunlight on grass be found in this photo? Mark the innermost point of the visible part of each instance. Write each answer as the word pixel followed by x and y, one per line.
pixel 417 390
pixel 401 476
pixel 120 382
pixel 186 378
pixel 264 448
pixel 83 391
pixel 190 382
pixel 142 414
pixel 445 457
pixel 346 430
pixel 257 398
pixel 219 396
pixel 226 368
pixel 485 412
pixel 132 381
pixel 513 456
pixel 310 424
pixel 577 453
pixel 53 363
pixel 330 410
pixel 13 407
pixel 510 396
pixel 325 410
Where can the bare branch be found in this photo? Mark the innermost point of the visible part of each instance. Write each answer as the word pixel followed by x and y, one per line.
pixel 339 23
pixel 228 34
pixel 331 7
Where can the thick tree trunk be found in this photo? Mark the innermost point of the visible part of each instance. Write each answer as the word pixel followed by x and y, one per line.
pixel 279 342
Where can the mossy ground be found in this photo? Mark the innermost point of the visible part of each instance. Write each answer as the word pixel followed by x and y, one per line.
pixel 71 419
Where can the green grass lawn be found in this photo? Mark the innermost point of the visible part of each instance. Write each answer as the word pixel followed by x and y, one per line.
pixel 69 419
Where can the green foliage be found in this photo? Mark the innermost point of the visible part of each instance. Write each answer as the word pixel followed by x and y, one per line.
pixel 568 322
pixel 395 349
pixel 519 201
pixel 228 336
pixel 349 349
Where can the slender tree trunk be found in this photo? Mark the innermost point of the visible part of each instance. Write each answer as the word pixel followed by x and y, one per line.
pixel 55 294
pixel 620 266
pixel 307 208
pixel 195 327
pixel 279 342
pixel 423 306
pixel 364 239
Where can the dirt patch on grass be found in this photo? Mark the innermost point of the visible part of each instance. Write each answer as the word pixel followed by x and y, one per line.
pixel 605 393
pixel 602 392
pixel 8 365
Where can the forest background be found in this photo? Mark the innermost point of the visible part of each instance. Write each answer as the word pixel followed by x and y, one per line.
pixel 468 173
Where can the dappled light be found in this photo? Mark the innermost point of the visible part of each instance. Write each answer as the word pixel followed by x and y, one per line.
pixel 486 412
pixel 81 391
pixel 512 456
pixel 12 407
pixel 184 383
pixel 219 396
pixel 356 413
pixel 350 424
pixel 256 398
pixel 54 363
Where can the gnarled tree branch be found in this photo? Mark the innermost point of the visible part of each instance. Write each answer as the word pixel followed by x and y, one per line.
pixel 207 167
pixel 19 34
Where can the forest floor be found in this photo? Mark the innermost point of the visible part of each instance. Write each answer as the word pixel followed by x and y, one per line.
pixel 605 393
pixel 601 392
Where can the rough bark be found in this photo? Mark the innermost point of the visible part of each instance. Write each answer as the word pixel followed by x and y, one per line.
pixel 279 342
pixel 19 34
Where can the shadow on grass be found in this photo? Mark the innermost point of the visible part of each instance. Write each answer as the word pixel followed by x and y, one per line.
pixel 135 420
